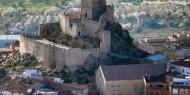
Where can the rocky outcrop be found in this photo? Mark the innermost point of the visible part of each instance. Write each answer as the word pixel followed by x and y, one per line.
pixel 122 48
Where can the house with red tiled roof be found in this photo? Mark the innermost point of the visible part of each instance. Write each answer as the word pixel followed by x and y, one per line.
pixel 17 85
pixel 180 86
pixel 181 65
pixel 75 89
pixel 15 45
pixel 126 79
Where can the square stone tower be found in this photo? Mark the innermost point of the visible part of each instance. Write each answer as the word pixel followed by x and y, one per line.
pixel 92 9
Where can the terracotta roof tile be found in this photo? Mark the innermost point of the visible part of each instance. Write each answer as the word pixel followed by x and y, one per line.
pixel 132 72
pixel 182 62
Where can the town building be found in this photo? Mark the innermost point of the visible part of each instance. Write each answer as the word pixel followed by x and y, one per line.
pixel 180 86
pixel 178 38
pixel 170 83
pixel 32 73
pixel 17 85
pixel 174 82
pixel 46 92
pixel 156 85
pixel 183 53
pixel 126 79
pixel 173 47
pixel 180 65
pixel 152 45
pixel 73 89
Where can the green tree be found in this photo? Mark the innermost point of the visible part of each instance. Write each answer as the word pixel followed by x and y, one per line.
pixel 81 75
pixel 21 3
pixel 57 4
pixel 14 5
pixel 66 75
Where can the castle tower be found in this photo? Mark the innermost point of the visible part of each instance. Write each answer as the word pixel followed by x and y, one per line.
pixel 92 9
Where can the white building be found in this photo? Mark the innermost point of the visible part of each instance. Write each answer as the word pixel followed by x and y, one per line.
pixel 30 73
pixel 46 92
pixel 182 66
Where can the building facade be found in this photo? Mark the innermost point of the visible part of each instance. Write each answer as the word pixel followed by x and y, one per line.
pixel 125 79
pixel 157 89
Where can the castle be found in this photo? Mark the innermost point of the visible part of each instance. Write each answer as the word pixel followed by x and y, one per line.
pixel 90 21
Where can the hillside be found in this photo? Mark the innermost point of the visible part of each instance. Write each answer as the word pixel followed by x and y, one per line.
pixel 27 4
pixel 122 48
pixel 26 15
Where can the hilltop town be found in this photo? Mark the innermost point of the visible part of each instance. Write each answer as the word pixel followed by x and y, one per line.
pixel 87 52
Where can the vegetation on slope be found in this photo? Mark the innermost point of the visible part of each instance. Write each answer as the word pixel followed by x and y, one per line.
pixel 20 62
pixel 160 15
pixel 135 2
pixel 53 32
pixel 33 3
pixel 122 49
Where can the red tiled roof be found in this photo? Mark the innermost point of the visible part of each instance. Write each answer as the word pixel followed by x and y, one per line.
pixel 5 50
pixel 17 84
pixel 182 62
pixel 180 87
pixel 65 86
pixel 133 71
pixel 15 43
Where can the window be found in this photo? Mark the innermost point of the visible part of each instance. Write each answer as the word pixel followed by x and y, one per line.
pixel 175 91
pixel 186 91
pixel 160 86
pixel 156 94
pixel 118 88
pixel 78 33
pixel 187 70
pixel 115 88
pixel 183 70
pixel 181 91
pixel 167 87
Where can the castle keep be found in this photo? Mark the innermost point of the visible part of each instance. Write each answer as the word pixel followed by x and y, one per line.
pixel 89 22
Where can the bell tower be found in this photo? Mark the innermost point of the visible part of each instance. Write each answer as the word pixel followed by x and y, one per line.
pixel 92 9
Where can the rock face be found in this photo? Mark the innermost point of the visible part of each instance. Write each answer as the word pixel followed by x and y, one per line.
pixel 50 31
pixel 120 38
pixel 122 48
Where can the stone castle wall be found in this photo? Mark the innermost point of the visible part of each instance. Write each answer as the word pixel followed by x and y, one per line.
pixel 92 28
pixel 110 13
pixel 92 9
pixel 51 54
pixel 29 45
pixel 89 27
pixel 106 41
pixel 75 25
pixel 86 24
pixel 69 25
pixel 48 56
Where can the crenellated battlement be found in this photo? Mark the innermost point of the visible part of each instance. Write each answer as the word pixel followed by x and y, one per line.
pixel 31 35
